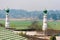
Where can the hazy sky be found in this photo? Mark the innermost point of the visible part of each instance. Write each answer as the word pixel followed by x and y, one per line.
pixel 30 4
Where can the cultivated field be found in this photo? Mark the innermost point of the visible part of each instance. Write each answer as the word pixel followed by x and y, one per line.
pixel 25 24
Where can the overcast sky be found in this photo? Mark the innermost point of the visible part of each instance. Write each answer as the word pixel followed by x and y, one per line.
pixel 30 4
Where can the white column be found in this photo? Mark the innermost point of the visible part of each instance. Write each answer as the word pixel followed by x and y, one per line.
pixel 7 20
pixel 44 22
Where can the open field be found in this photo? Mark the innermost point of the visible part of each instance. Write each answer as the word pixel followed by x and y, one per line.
pixel 25 24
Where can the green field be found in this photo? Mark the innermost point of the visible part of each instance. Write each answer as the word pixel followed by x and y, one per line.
pixel 54 25
pixel 25 24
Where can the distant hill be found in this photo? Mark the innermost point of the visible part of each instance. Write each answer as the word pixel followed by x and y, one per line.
pixel 55 15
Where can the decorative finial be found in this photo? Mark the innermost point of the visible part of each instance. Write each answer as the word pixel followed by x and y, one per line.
pixel 45 11
pixel 7 10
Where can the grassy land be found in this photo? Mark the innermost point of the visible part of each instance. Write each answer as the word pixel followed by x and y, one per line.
pixel 20 24
pixel 54 25
pixel 26 24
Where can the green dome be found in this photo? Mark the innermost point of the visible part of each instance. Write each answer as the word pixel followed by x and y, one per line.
pixel 45 11
pixel 6 34
pixel 7 10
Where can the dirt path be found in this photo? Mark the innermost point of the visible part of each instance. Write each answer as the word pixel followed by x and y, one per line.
pixel 58 38
pixel 33 35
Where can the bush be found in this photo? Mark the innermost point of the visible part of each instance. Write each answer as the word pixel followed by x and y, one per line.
pixel 52 38
pixel 2 25
pixel 22 34
pixel 35 25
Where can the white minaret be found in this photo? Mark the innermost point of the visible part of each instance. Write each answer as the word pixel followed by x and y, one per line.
pixel 7 18
pixel 44 28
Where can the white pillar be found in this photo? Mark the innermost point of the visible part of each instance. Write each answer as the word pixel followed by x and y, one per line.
pixel 44 22
pixel 7 21
pixel 44 27
pixel 7 18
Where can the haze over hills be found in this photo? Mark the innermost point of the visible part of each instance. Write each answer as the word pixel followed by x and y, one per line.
pixel 14 13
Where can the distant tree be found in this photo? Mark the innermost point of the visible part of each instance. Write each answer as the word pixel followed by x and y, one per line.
pixel 54 16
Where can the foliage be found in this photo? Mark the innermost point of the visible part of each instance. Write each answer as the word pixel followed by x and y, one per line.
pixel 1 25
pixel 22 34
pixel 35 25
pixel 55 15
pixel 52 38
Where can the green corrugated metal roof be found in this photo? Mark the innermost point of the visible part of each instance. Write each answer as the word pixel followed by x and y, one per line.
pixel 6 34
